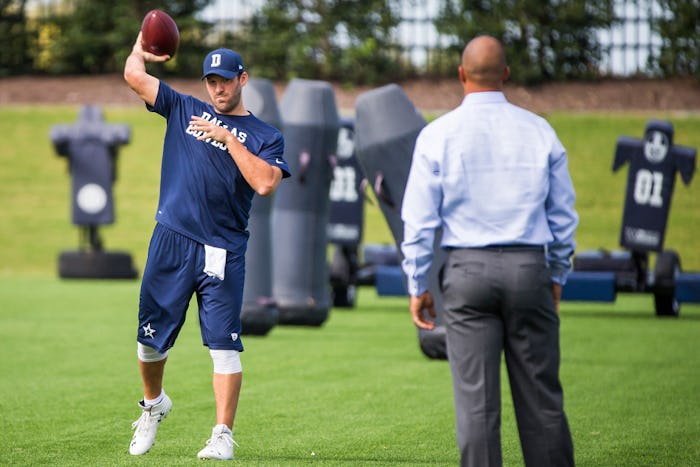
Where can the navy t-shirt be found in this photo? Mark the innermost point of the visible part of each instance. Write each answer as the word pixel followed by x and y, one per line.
pixel 203 195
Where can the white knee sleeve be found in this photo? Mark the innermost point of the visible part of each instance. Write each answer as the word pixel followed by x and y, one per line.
pixel 148 354
pixel 226 362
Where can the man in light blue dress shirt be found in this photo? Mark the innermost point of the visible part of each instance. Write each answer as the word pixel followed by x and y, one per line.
pixel 495 178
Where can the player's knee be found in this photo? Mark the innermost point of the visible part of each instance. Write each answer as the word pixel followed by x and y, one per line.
pixel 148 354
pixel 226 362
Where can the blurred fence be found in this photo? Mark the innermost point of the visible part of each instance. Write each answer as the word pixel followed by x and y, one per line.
pixel 627 45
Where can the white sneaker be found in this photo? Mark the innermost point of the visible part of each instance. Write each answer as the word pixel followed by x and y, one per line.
pixel 147 426
pixel 220 445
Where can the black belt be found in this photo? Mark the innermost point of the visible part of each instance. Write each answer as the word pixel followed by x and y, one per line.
pixel 505 247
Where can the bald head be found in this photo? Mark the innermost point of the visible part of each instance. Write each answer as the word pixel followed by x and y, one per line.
pixel 484 62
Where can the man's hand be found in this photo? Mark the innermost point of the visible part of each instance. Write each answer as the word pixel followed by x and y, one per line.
pixel 556 293
pixel 210 130
pixel 417 304
pixel 147 56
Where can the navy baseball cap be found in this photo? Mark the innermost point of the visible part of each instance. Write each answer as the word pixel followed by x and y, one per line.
pixel 223 62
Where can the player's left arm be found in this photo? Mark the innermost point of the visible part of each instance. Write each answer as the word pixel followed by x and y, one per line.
pixel 260 175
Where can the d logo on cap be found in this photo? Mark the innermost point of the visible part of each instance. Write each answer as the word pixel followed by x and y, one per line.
pixel 223 62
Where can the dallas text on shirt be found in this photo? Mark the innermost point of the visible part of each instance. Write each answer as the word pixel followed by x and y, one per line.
pixel 241 136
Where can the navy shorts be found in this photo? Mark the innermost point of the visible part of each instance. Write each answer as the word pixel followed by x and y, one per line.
pixel 173 273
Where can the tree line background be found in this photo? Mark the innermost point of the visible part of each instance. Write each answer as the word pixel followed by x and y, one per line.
pixel 340 40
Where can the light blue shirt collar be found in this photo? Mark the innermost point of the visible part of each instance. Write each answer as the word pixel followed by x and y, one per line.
pixel 485 97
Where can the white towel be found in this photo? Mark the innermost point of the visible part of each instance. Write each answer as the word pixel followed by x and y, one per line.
pixel 214 261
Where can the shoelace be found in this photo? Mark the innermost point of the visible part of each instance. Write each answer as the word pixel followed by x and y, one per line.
pixel 142 421
pixel 226 439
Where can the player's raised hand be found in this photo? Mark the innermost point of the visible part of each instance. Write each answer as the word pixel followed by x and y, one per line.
pixel 147 56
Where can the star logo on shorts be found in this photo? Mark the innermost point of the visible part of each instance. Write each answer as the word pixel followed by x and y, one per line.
pixel 148 331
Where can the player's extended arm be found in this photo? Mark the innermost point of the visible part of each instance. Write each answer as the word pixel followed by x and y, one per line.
pixel 145 85
pixel 260 175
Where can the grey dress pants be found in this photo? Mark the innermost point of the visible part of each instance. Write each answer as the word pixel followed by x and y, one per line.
pixel 498 301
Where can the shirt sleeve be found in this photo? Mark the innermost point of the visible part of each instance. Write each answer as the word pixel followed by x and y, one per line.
pixel 273 154
pixel 420 213
pixel 561 215
pixel 166 95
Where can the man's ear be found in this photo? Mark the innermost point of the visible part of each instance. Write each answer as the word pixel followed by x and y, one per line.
pixel 462 75
pixel 506 73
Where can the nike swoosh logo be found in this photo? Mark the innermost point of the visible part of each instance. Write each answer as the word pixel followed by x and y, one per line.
pixel 279 161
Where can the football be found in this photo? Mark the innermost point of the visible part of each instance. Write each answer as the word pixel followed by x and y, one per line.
pixel 159 33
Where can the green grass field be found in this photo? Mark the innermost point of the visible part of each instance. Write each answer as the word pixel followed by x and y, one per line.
pixel 356 391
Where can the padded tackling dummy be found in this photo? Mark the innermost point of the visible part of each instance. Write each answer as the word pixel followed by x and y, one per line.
pixel 654 162
pixel 346 214
pixel 91 146
pixel 300 283
pixel 346 217
pixel 259 313
pixel 386 127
